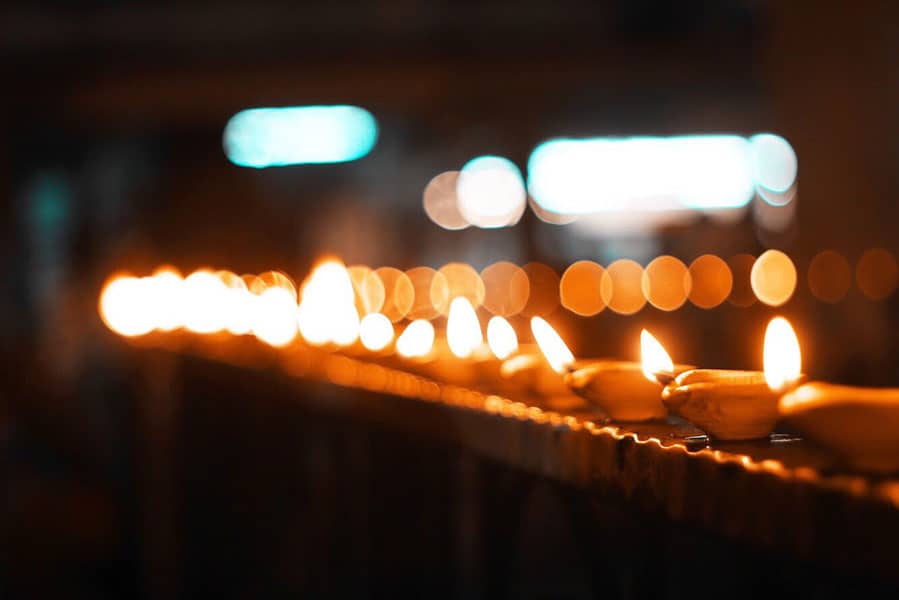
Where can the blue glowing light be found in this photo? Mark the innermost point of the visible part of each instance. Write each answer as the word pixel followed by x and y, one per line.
pixel 296 135
pixel 601 175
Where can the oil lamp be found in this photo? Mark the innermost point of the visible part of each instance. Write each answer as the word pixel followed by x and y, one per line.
pixel 740 405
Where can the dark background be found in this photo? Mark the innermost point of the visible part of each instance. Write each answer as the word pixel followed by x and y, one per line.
pixel 111 120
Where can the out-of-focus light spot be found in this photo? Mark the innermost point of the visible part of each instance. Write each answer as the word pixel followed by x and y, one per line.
pixel 773 278
pixel 274 137
pixel 621 287
pixel 774 167
pixel 274 320
pixel 416 340
pixel 461 281
pixel 580 288
pixel 543 282
pixel 569 176
pixel 164 286
pixel 501 338
pixel 829 276
pixel 666 283
pixel 741 293
pixel 327 311
pixel 490 192
pixel 368 288
pixel 375 331
pixel 876 274
pixel 441 202
pixel 463 331
pixel 125 306
pixel 238 304
pixel 551 345
pixel 203 310
pixel 399 293
pixel 424 280
pixel 506 288
pixel 711 281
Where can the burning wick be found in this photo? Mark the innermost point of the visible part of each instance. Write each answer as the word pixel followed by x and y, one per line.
pixel 740 405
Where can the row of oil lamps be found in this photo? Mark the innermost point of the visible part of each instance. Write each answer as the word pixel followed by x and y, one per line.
pixel 861 424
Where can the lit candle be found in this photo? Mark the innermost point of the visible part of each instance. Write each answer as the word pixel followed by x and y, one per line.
pixel 740 405
pixel 627 390
pixel 860 424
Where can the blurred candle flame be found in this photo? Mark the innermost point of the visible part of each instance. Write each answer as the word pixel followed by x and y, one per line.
pixel 375 331
pixel 501 338
pixel 655 358
pixel 782 357
pixel 463 330
pixel 553 347
pixel 124 306
pixel 416 340
pixel 327 311
pixel 274 316
pixel 203 309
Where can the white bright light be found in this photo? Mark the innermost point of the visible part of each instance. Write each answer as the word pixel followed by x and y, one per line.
pixel 490 192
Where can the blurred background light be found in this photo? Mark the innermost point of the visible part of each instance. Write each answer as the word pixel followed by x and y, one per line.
pixel 506 288
pixel 580 288
pixel 423 280
pixel 829 276
pixel 773 277
pixel 876 273
pixel 441 202
pixel 774 167
pixel 622 287
pixel 585 176
pixel 368 289
pixel 543 283
pixel 666 283
pixel 458 280
pixel 711 281
pixel 274 137
pixel 399 293
pixel 490 192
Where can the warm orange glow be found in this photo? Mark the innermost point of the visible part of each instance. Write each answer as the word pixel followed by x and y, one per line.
pixel 164 289
pixel 459 279
pixel 622 287
pixel 124 306
pixel 773 277
pixel 544 290
pixel 399 294
pixel 327 311
pixel 655 358
pixel 580 288
pixel 368 287
pixel 424 280
pixel 375 331
pixel 463 331
pixel 877 274
pixel 551 344
pixel 782 357
pixel 829 276
pixel 204 310
pixel 416 340
pixel 666 283
pixel 274 316
pixel 711 281
pixel 506 288
pixel 238 304
pixel 501 338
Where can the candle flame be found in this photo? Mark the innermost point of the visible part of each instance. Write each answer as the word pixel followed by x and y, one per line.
pixel 553 347
pixel 655 358
pixel 124 306
pixel 782 357
pixel 274 316
pixel 203 310
pixel 501 338
pixel 375 331
pixel 463 331
pixel 416 340
pixel 327 312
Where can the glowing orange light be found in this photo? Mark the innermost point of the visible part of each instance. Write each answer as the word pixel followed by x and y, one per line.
pixel 580 288
pixel 124 306
pixel 829 276
pixel 655 358
pixel 463 331
pixel 164 289
pixel 416 340
pixel 238 304
pixel 327 312
pixel 501 338
pixel 712 281
pixel 782 357
pixel 666 283
pixel 621 287
pixel 876 274
pixel 375 331
pixel 274 316
pixel 204 309
pixel 506 288
pixel 553 347
pixel 773 277
pixel 458 279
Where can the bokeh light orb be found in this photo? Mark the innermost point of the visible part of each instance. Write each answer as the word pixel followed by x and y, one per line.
pixel 876 273
pixel 458 280
pixel 441 202
pixel 621 287
pixel 773 278
pixel 580 289
pixel 829 276
pixel 666 283
pixel 711 281
pixel 125 306
pixel 424 280
pixel 399 293
pixel 506 288
pixel 204 310
pixel 367 288
pixel 543 282
pixel 491 192
pixel 274 316
pixel 774 166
